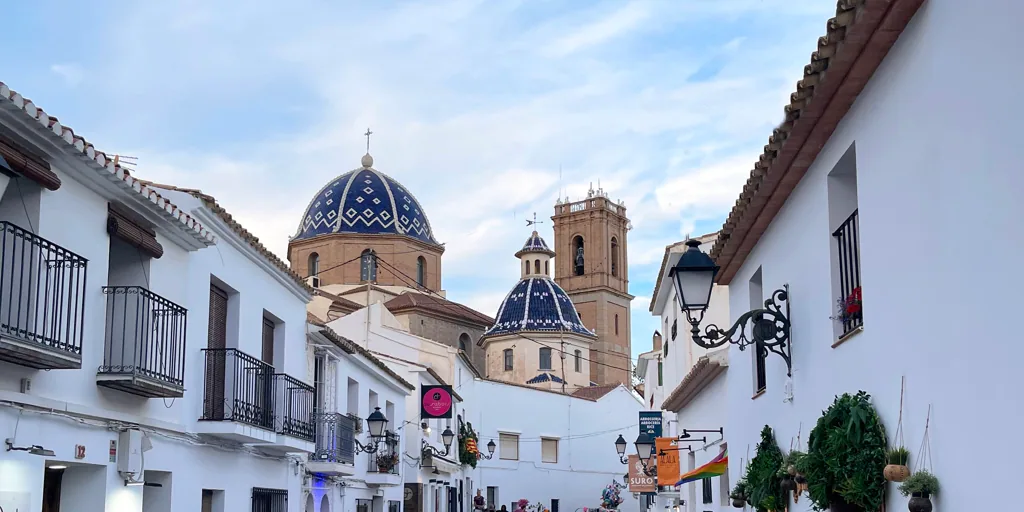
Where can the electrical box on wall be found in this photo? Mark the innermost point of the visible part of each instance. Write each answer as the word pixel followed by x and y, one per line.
pixel 129 457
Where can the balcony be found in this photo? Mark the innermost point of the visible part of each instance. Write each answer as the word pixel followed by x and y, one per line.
pixel 42 301
pixel 848 246
pixel 238 398
pixel 384 463
pixel 144 344
pixel 335 453
pixel 293 416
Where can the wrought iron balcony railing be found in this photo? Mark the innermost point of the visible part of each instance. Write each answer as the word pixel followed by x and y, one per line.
pixel 239 387
pixel 335 438
pixel 42 300
pixel 848 244
pixel 144 349
pixel 294 405
pixel 386 458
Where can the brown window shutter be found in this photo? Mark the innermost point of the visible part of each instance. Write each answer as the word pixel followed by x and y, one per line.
pixel 216 359
pixel 27 165
pixel 268 341
pixel 132 232
pixel 218 330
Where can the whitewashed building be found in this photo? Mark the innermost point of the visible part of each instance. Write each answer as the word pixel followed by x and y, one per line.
pixel 141 370
pixel 889 154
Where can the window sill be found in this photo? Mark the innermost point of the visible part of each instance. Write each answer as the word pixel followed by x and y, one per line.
pixel 843 339
pixel 759 394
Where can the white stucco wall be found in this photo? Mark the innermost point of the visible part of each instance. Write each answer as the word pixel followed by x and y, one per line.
pixel 937 159
pixel 707 411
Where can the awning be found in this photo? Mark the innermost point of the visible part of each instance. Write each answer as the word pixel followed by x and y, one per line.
pixel 134 233
pixel 22 163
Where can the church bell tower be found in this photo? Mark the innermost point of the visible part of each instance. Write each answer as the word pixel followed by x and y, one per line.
pixel 591 266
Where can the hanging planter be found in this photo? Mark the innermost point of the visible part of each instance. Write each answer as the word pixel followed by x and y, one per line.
pixel 920 487
pixel 763 492
pixel 897 470
pixel 739 494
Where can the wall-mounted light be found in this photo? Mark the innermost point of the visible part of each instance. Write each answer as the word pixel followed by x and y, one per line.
pixel 33 450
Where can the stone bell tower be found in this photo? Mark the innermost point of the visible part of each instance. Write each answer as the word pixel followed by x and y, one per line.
pixel 591 266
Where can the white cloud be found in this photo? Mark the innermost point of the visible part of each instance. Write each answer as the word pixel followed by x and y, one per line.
pixel 603 30
pixel 72 74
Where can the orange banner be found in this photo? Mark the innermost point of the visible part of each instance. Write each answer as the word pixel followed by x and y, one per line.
pixel 668 460
pixel 638 481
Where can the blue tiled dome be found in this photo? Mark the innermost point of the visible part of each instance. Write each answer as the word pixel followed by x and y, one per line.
pixel 535 244
pixel 365 201
pixel 537 304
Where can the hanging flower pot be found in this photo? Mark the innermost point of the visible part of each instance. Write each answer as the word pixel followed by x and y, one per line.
pixel 896 472
pixel 787 484
pixel 920 502
pixel 739 502
pixel 840 505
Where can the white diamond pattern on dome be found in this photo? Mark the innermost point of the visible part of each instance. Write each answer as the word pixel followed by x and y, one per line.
pixel 537 304
pixel 365 201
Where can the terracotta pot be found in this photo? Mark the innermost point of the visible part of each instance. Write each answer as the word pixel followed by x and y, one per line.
pixel 920 502
pixel 895 473
pixel 738 503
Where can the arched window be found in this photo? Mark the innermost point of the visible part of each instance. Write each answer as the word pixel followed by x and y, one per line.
pixel 615 257
pixel 508 359
pixel 464 342
pixel 545 358
pixel 547 271
pixel 313 264
pixel 577 258
pixel 579 361
pixel 526 266
pixel 536 266
pixel 616 325
pixel 368 266
pixel 421 271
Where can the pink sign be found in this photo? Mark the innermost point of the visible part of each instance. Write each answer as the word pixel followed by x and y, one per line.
pixel 437 402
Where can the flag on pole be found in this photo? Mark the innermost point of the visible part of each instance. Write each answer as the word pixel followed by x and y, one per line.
pixel 717 467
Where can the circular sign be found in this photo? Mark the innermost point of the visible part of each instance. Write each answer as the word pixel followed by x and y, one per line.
pixel 408 494
pixel 437 402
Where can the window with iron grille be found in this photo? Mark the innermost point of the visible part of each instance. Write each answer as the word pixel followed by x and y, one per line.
pixel 844 254
pixel 269 500
pixel 394 506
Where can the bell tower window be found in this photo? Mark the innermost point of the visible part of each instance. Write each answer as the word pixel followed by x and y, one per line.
pixel 577 251
pixel 536 266
pixel 313 264
pixel 615 257
pixel 421 271
pixel 368 266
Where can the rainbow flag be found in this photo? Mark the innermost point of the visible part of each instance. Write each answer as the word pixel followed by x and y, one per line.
pixel 717 467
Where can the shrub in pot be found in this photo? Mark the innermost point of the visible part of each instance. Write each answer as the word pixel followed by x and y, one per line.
pixel 739 494
pixel 896 470
pixel 763 472
pixel 920 486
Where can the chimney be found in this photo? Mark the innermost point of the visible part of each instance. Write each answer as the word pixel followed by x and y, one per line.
pixel 657 341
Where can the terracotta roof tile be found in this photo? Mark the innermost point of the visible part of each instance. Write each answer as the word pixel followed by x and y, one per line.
pixel 595 392
pixel 698 378
pixel 437 305
pixel 524 386
pixel 106 163
pixel 855 43
pixel 211 203
pixel 351 347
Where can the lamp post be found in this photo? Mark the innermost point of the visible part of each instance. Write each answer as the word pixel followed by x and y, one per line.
pixel 376 423
pixel 694 276
pixel 447 437
pixel 490 450
pixel 644 445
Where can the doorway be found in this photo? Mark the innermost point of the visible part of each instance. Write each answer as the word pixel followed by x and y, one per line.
pixel 51 489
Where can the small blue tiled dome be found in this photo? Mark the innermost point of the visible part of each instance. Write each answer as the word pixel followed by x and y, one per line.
pixel 365 201
pixel 537 304
pixel 535 244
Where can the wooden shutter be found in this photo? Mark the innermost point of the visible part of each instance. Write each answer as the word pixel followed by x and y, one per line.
pixel 216 356
pixel 26 164
pixel 268 341
pixel 120 224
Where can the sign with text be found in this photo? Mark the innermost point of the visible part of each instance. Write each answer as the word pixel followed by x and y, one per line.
pixel 666 448
pixel 436 402
pixel 412 497
pixel 638 481
pixel 650 423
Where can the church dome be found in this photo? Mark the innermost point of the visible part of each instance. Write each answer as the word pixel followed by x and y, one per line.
pixel 537 304
pixel 365 201
pixel 535 244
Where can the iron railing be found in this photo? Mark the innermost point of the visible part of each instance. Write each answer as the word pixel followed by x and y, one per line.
pixel 335 438
pixel 42 291
pixel 294 406
pixel 145 335
pixel 848 245
pixel 386 458
pixel 269 500
pixel 239 388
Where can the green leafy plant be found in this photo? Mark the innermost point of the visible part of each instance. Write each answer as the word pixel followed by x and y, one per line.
pixel 898 456
pixel 763 490
pixel 921 481
pixel 469 452
pixel 739 492
pixel 846 455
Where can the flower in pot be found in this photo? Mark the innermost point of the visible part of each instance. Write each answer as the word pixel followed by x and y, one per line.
pixel 739 494
pixel 896 470
pixel 920 486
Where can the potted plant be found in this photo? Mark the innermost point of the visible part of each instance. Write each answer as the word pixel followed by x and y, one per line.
pixel 796 465
pixel 920 486
pixel 386 462
pixel 762 475
pixel 786 482
pixel 849 308
pixel 896 470
pixel 739 494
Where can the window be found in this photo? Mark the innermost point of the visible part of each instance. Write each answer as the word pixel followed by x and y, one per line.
pixel 267 354
pixel 579 361
pixel 363 505
pixel 675 329
pixel 421 271
pixel 545 358
pixel 616 324
pixel 526 266
pixel 549 450
pixel 547 271
pixel 492 496
pixel 577 251
pixel 508 359
pixel 615 257
pixel 536 266
pixel 759 353
pixel 394 506
pixel 845 252
pixel 508 446
pixel 665 349
pixel 661 374
pixel 706 496
pixel 313 264
pixel 269 500
pixel 464 342
pixel 368 266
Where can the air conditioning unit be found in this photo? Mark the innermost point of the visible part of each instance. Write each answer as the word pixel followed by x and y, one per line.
pixel 129 453
pixel 313 281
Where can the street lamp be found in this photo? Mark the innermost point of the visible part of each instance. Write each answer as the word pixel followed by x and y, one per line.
pixel 376 423
pixel 620 447
pixel 694 277
pixel 447 437
pixel 644 450
pixel 490 450
pixel 644 446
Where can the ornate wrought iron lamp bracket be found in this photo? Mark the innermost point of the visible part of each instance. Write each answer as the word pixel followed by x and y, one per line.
pixel 429 450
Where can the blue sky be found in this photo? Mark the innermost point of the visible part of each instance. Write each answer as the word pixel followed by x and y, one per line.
pixel 474 104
